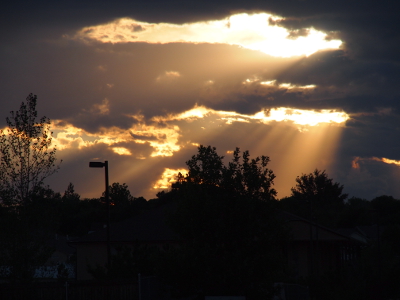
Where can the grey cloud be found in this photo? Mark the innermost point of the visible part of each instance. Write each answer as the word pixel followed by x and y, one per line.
pixel 137 28
pixel 144 137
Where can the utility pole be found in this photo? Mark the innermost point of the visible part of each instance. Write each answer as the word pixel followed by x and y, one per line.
pixel 96 164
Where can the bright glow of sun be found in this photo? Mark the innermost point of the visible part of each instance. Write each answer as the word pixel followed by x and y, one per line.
pixel 297 116
pixel 302 117
pixel 251 31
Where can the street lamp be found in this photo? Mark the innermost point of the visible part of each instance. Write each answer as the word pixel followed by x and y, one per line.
pixel 98 164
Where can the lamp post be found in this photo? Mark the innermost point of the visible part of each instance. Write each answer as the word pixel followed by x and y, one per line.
pixel 97 164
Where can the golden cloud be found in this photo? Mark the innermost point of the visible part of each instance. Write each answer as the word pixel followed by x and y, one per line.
pixel 279 114
pixel 121 151
pixel 273 85
pixel 256 31
pixel 162 140
pixel 391 161
pixel 102 108
pixel 356 161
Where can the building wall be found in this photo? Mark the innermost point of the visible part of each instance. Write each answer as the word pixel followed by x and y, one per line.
pixel 89 254
pixel 327 252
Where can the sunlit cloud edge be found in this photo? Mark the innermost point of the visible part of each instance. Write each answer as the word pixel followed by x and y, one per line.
pixel 252 31
pixel 357 160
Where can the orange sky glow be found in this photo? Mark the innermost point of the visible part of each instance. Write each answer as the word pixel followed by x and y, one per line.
pixel 302 134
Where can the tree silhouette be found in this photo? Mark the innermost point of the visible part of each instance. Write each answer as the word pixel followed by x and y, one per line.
pixel 243 176
pixel 324 197
pixel 27 157
pixel 250 177
pixel 318 186
pixel 70 195
pixel 206 167
pixel 119 194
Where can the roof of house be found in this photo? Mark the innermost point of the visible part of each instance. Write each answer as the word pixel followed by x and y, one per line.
pixel 329 233
pixel 372 232
pixel 149 226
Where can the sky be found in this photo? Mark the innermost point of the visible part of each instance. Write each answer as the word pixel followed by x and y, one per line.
pixel 310 84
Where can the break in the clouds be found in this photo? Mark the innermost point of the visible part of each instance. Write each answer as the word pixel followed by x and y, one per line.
pixel 256 31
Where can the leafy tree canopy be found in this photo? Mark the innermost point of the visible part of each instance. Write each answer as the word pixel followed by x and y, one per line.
pixel 119 193
pixel 316 186
pixel 243 176
pixel 27 157
pixel 317 197
pixel 70 195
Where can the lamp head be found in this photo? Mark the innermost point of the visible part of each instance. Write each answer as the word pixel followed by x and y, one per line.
pixel 96 164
